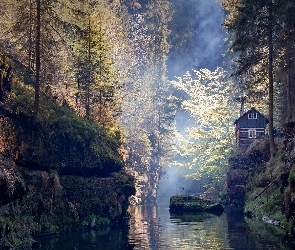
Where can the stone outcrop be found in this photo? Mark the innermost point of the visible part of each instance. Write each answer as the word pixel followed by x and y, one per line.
pixel 182 203
pixel 35 202
pixel 57 145
pixel 57 176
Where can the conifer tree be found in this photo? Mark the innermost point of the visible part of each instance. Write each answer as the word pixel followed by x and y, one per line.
pixel 35 37
pixel 257 33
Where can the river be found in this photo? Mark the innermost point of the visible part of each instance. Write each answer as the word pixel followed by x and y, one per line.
pixel 153 227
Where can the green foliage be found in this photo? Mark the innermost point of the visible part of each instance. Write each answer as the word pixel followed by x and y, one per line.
pixel 264 195
pixel 17 231
pixel 262 180
pixel 93 64
pixel 60 132
pixel 98 220
pixel 210 103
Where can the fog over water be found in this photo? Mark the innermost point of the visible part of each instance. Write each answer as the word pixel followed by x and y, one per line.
pixel 200 22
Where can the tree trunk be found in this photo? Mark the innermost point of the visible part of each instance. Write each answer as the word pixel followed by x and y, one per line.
pixel 87 107
pixel 288 84
pixel 38 35
pixel 270 79
pixel 30 66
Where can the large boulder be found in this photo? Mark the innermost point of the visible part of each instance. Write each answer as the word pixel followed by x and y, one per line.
pixel 180 203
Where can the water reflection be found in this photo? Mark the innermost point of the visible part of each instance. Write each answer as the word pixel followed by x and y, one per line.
pixel 153 227
pixel 252 234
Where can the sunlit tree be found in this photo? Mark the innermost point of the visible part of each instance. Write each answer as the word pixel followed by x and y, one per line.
pixel 212 107
pixel 33 35
pixel 95 73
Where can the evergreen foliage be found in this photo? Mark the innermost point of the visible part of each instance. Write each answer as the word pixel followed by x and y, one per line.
pixel 58 131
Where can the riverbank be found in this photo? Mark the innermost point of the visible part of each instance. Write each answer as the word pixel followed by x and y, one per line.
pixel 264 186
pixel 58 172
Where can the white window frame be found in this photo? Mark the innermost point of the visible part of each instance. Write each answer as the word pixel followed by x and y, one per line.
pixel 251 133
pixel 250 116
pixel 254 116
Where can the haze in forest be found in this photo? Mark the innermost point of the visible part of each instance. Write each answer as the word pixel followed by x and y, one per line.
pixel 204 47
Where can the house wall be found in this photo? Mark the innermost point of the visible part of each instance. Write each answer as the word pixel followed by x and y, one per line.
pixel 260 122
pixel 255 123
pixel 243 140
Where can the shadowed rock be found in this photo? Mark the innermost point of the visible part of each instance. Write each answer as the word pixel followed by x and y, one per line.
pixel 180 203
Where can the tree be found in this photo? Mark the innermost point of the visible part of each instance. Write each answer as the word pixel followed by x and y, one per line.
pixel 147 107
pixel 210 102
pixel 34 38
pixel 285 72
pixel 95 73
pixel 37 50
pixel 256 39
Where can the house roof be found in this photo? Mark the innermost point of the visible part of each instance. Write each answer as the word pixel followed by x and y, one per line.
pixel 252 110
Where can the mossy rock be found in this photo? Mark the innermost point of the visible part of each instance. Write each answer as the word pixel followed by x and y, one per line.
pixel 180 203
pixel 61 141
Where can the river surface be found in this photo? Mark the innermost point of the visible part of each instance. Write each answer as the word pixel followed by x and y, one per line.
pixel 153 227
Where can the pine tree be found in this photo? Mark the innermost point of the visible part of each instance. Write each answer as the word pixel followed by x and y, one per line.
pixel 95 71
pixel 256 39
pixel 35 38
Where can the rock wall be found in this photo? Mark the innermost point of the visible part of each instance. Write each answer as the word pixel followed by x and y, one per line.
pixel 57 145
pixel 57 176
pixel 38 202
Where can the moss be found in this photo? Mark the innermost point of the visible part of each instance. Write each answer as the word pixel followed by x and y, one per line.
pixel 58 139
pixel 193 203
pixel 75 203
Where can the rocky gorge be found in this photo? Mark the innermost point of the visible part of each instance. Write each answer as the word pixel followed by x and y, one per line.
pixel 58 172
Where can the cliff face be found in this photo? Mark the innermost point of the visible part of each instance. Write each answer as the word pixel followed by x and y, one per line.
pixel 57 176
pixel 40 202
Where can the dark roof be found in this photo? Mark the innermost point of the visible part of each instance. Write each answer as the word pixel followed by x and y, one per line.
pixel 252 110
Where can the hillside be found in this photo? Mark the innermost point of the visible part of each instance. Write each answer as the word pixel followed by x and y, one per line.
pixel 58 172
pixel 264 186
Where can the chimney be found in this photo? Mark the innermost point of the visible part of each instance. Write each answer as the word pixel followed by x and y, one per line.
pixel 243 98
pixel 241 112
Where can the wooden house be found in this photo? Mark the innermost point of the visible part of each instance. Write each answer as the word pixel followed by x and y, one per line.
pixel 250 127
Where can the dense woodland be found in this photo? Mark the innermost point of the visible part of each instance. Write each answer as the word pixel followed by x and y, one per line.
pixel 106 61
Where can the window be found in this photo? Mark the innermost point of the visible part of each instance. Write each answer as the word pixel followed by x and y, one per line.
pixel 252 134
pixel 252 116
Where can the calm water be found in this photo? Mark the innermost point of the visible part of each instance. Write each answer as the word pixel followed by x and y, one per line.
pixel 152 227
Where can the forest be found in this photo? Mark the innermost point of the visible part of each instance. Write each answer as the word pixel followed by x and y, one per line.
pixel 101 84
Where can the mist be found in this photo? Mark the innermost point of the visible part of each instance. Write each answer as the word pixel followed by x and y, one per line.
pixel 197 36
pixel 198 42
